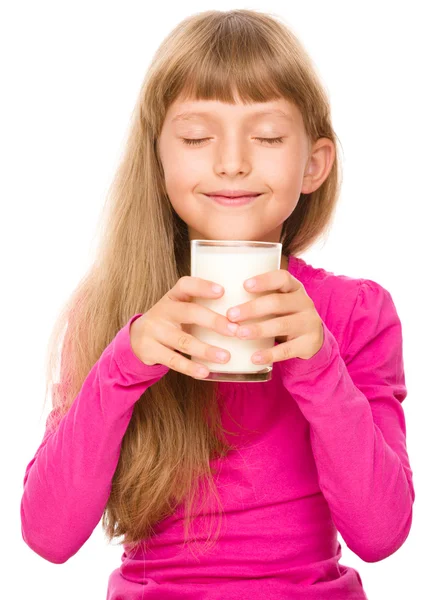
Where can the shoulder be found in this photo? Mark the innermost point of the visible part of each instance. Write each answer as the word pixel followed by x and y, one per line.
pixel 341 299
pixel 327 289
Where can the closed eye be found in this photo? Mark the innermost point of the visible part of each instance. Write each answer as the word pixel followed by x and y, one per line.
pixel 277 140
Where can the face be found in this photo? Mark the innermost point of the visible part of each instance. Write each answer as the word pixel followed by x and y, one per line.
pixel 238 148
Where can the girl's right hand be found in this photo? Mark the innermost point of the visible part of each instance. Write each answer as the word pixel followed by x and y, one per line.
pixel 158 332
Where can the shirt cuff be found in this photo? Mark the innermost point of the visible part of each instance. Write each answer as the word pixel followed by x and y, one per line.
pixel 128 361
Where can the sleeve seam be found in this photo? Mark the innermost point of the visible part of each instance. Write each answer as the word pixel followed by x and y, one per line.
pixel 344 352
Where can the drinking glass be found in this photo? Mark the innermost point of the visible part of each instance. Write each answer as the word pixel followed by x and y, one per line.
pixel 230 263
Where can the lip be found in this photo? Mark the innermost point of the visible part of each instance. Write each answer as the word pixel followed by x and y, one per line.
pixel 238 201
pixel 229 193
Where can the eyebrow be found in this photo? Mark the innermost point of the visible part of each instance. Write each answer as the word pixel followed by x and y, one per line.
pixel 187 115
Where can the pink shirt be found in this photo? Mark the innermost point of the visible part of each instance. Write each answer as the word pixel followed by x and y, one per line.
pixel 328 454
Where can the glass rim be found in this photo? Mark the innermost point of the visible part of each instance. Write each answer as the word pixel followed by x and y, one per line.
pixel 230 243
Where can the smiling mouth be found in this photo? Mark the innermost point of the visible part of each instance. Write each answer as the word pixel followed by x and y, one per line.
pixel 233 201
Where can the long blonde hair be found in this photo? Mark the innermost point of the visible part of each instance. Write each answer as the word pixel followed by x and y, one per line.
pixel 176 428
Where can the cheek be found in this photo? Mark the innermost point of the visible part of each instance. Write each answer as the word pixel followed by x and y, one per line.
pixel 181 185
pixel 290 179
pixel 280 168
pixel 179 178
pixel 185 171
pixel 179 167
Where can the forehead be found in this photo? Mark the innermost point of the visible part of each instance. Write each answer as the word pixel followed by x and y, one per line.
pixel 215 110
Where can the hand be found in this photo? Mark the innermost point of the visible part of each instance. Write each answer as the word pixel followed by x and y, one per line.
pixel 158 333
pixel 300 329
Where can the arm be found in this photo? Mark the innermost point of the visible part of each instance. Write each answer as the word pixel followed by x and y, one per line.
pixel 68 482
pixel 357 425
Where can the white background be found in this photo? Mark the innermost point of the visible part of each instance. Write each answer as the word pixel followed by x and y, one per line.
pixel 70 77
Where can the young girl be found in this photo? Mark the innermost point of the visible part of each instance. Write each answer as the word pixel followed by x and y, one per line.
pixel 230 102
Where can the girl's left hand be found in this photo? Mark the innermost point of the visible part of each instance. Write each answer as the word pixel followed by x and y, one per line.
pixel 299 332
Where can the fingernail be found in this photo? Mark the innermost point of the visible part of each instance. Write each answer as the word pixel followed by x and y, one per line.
pixel 244 331
pixel 234 312
pixel 233 327
pixel 250 283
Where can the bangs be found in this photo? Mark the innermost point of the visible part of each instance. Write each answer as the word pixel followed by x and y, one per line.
pixel 232 64
pixel 213 80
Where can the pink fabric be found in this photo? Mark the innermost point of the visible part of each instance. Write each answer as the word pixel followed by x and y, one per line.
pixel 322 449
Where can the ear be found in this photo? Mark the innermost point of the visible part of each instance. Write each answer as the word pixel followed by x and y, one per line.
pixel 319 165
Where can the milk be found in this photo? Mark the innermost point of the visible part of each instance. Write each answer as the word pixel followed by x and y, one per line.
pixel 230 263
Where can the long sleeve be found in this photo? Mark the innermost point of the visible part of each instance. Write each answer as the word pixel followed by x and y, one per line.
pixel 357 424
pixel 68 482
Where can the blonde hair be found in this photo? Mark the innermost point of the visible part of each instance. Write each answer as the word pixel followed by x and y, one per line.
pixel 175 429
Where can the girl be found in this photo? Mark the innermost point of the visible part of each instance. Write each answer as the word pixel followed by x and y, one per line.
pixel 231 101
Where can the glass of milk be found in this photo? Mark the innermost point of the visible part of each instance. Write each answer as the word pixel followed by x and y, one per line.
pixel 230 263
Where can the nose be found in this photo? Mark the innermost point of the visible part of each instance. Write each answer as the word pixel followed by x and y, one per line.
pixel 232 156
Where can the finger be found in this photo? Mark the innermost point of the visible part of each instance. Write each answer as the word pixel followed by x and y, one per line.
pixel 269 304
pixel 182 341
pixel 298 347
pixel 192 313
pixel 187 288
pixel 185 311
pixel 177 362
pixel 285 325
pixel 279 279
